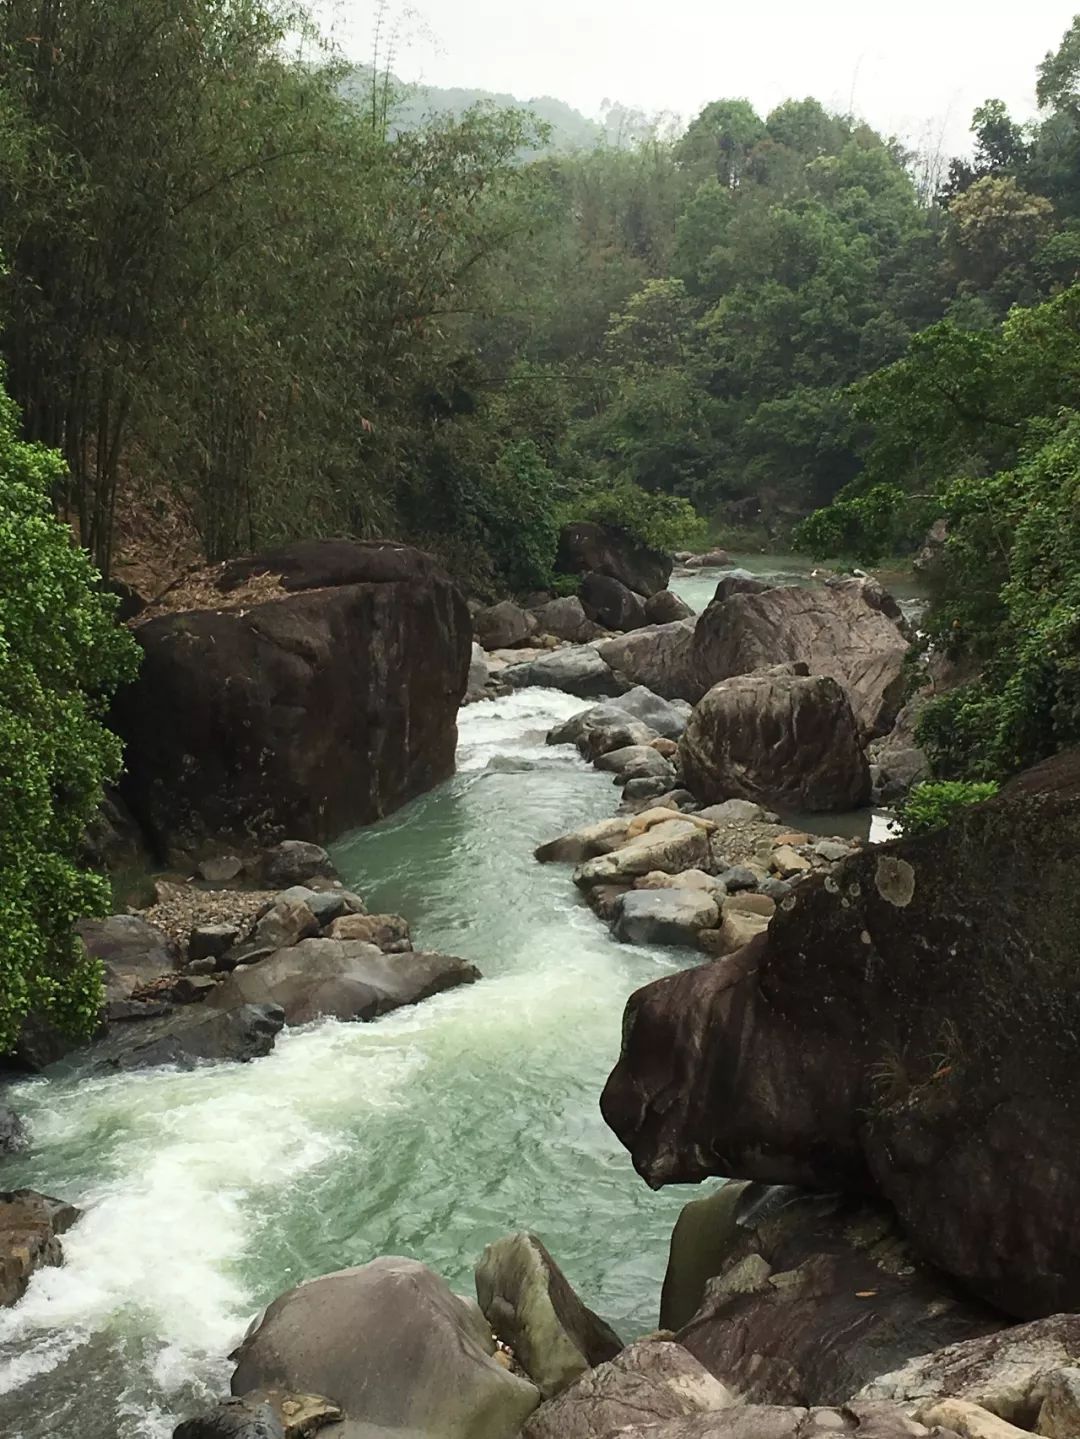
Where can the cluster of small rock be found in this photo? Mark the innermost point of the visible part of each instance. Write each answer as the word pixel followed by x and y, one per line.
pixel 667 870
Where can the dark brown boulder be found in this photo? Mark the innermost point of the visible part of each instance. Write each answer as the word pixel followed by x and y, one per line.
pixel 585 547
pixel 776 738
pixel 320 693
pixel 503 626
pixel 30 1229
pixel 807 1297
pixel 908 1025
pixel 610 603
pixel 836 632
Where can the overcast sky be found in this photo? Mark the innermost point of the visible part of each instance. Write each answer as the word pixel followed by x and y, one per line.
pixel 916 69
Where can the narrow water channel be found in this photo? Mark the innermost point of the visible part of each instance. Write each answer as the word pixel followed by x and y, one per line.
pixel 429 1133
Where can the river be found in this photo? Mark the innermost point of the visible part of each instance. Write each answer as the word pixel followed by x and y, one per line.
pixel 429 1133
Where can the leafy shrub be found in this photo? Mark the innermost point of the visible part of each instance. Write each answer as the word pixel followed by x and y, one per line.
pixel 934 806
pixel 664 522
pixel 61 657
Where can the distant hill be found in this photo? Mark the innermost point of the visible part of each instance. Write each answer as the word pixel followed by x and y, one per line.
pixel 570 129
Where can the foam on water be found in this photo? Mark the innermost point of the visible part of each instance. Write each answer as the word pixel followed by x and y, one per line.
pixel 430 1132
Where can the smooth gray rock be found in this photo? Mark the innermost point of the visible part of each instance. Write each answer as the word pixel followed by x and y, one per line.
pixel 530 1305
pixel 340 979
pixel 650 1381
pixel 734 809
pixel 221 870
pixel 576 671
pixel 636 761
pixel 395 1348
pixel 603 739
pixel 665 916
pixel 133 952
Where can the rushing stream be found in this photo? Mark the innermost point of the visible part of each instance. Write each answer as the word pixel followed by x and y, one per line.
pixel 429 1133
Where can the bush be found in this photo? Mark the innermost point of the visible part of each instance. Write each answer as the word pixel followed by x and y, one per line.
pixel 664 522
pixel 934 806
pixel 61 657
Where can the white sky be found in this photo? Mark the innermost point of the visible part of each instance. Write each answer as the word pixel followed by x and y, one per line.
pixel 917 69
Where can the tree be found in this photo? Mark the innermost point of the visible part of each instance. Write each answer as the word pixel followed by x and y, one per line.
pixel 61 657
pixel 720 140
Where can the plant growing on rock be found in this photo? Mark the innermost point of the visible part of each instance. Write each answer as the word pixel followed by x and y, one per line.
pixel 933 806
pixel 61 657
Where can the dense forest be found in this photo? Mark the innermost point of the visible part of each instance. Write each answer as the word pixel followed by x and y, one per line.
pixel 252 293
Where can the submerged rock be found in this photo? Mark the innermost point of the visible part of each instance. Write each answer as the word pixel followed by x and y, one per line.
pixel 649 1382
pixel 315 690
pixel 778 738
pixel 907 1025
pixel 30 1229
pixel 531 1307
pixel 395 1348
pixel 340 979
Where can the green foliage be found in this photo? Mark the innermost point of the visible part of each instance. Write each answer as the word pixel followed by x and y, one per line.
pixel 664 522
pixel 61 657
pixel 931 807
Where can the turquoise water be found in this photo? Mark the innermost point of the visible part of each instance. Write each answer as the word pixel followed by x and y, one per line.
pixel 429 1133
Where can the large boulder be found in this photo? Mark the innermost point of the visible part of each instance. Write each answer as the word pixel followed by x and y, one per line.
pixel 30 1229
pixel 651 1381
pixel 566 620
pixel 907 1025
pixel 1009 1372
pixel 667 846
pixel 301 693
pixel 530 1305
pixel 340 979
pixel 189 1037
pixel 800 1298
pixel 658 658
pixel 395 1348
pixel 585 547
pixel 837 632
pixel 132 952
pixel 611 604
pixel 897 761
pixel 503 626
pixel 263 1414
pixel 577 671
pixel 779 739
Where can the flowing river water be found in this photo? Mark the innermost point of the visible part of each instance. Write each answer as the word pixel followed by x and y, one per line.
pixel 429 1133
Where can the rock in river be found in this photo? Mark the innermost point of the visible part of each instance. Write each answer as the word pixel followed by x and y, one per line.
pixel 907 1025
pixel 504 626
pixel 611 604
pixel 395 1348
pixel 236 1035
pixel 340 979
pixel 657 658
pixel 777 738
pixel 531 1307
pixel 665 916
pixel 30 1229
pixel 576 671
pixel 301 693
pixel 132 952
